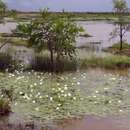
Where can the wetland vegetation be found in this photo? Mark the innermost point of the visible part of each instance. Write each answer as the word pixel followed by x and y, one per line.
pixel 57 66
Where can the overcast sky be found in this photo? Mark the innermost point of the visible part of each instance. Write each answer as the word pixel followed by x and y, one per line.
pixel 58 5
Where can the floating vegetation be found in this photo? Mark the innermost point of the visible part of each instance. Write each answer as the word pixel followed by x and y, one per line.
pixel 44 96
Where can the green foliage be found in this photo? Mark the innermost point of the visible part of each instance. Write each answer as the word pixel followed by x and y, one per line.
pixel 120 6
pixel 53 33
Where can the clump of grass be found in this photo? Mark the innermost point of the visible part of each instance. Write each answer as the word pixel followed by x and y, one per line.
pixel 111 61
pixel 4 107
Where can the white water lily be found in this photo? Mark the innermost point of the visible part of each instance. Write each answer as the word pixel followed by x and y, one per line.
pixel 57 108
pixel 110 101
pixel 16 104
pixel 65 85
pixel 32 90
pixel 20 93
pixel 40 97
pixel 113 79
pixel 35 84
pixel 62 91
pixel 69 94
pixel 65 88
pixel 78 83
pixel 96 91
pixel 65 95
pixel 74 98
pixel 58 84
pixel 59 89
pixel 34 101
pixel 51 98
pixel 120 110
pixel 94 96
pixel 119 101
pixel 37 108
pixel 41 83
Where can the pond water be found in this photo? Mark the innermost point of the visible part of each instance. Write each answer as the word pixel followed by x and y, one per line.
pixel 91 123
pixel 7 27
pixel 100 31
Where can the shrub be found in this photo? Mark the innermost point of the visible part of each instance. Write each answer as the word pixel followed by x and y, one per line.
pixel 5 61
pixel 8 63
pixel 4 107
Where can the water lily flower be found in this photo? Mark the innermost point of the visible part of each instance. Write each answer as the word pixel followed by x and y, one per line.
pixel 65 88
pixel 57 108
pixel 69 94
pixel 37 109
pixel 51 98
pixel 78 83
pixel 74 98
pixel 33 101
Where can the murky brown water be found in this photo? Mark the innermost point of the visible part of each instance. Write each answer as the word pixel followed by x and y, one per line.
pixel 91 123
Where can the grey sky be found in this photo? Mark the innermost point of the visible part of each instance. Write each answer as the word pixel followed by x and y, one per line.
pixel 58 5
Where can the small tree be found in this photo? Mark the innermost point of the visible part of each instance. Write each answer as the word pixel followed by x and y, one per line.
pixel 122 24
pixel 3 8
pixel 53 33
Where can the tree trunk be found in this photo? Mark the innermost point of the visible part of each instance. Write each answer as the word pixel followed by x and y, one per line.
pixel 58 63
pixel 52 60
pixel 121 37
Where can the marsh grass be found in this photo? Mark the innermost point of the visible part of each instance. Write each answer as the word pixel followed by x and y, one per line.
pixel 110 61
